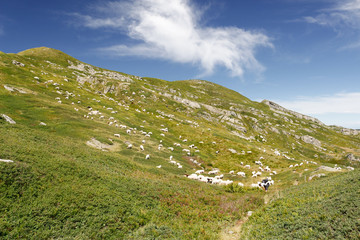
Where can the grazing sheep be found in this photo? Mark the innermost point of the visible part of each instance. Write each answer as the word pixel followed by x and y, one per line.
pixel 171 157
pixel 173 162
pixel 219 176
pixel 214 172
pixel 180 166
pixel 128 131
pixel 143 141
pixel 226 182
pixel 193 176
pixel 158 166
pixel 231 172
pixel 255 185
pixel 240 184
pixel 199 171
pixel 171 148
pixel 116 135
pixel 241 174
pixel 291 166
pixel 141 147
pixel 129 146
pixel 147 156
pixel 247 166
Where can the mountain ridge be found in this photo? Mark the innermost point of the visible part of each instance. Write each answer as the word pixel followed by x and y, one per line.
pixel 103 154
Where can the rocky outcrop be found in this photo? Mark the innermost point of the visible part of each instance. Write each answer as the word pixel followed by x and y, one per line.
pixel 351 157
pixel 14 89
pixel 311 140
pixel 348 131
pixel 279 109
pixel 16 63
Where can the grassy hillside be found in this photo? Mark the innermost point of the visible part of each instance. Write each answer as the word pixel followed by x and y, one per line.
pixel 60 185
pixel 323 209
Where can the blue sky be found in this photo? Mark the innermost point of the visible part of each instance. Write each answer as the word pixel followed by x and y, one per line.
pixel 302 54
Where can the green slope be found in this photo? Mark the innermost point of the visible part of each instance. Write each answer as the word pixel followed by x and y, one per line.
pixel 59 187
pixel 324 209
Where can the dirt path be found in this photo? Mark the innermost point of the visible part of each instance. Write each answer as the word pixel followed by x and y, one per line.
pixel 234 232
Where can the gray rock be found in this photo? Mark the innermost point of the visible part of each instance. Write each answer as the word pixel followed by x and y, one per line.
pixel 311 140
pixel 8 119
pixel 351 157
pixel 6 160
pixel 18 63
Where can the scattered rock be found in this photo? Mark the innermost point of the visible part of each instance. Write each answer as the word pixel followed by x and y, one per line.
pixel 7 118
pixel 351 157
pixel 14 89
pixel 316 175
pixel 232 150
pixel 6 160
pixel 328 169
pixel 102 146
pixel 311 140
pixel 18 63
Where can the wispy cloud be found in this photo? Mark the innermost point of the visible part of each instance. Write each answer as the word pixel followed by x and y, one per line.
pixel 173 30
pixel 341 103
pixel 343 13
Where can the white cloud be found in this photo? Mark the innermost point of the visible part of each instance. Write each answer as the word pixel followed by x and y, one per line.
pixel 341 103
pixel 342 109
pixel 172 30
pixel 343 13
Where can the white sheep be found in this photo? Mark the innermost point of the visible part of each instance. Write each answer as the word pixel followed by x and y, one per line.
pixel 231 172
pixel 193 176
pixel 199 171
pixel 247 166
pixel 214 172
pixel 241 174
pixel 240 184
pixel 147 156
pixel 141 147
pixel 226 182
pixel 116 135
pixel 129 146
pixel 158 166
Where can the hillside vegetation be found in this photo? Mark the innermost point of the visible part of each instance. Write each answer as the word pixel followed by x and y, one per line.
pixel 326 209
pixel 99 154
